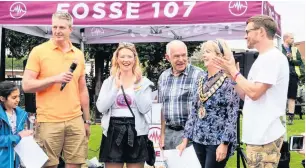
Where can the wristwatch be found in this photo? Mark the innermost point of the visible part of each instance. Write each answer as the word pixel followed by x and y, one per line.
pixel 87 122
pixel 225 142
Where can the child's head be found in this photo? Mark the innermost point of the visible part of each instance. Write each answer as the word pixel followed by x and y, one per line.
pixel 9 94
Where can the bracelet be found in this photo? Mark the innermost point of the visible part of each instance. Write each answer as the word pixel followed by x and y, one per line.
pixel 235 77
pixel 87 122
pixel 234 83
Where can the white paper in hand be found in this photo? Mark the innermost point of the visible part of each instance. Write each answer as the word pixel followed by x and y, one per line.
pixel 93 163
pixel 188 159
pixel 30 153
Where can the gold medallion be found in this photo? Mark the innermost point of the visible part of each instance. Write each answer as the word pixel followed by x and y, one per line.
pixel 201 112
pixel 205 93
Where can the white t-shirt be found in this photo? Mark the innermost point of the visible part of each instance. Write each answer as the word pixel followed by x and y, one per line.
pixel 119 108
pixel 261 118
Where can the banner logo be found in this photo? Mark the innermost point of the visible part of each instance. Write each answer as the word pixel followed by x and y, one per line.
pixel 238 8
pixel 154 134
pixel 97 31
pixel 17 10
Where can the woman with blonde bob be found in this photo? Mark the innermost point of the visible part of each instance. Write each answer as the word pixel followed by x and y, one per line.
pixel 124 99
pixel 212 123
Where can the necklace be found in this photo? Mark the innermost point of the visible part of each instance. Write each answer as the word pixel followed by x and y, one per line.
pixel 205 95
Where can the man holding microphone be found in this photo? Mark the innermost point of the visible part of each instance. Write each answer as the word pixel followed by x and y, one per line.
pixel 61 95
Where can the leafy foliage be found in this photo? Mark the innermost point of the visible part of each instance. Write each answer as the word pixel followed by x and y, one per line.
pixel 19 45
pixel 196 58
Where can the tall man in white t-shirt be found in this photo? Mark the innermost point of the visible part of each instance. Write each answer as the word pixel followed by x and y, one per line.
pixel 264 93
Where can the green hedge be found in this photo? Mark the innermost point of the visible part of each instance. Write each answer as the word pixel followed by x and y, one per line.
pixel 17 63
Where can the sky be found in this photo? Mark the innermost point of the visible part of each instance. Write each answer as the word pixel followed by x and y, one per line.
pixel 292 17
pixel 292 20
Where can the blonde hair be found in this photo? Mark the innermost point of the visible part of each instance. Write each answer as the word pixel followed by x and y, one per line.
pixel 63 16
pixel 115 66
pixel 214 46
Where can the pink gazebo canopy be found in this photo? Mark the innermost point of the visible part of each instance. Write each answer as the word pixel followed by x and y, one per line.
pixel 138 21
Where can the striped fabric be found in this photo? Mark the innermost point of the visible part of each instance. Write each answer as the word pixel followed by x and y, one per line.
pixel 176 94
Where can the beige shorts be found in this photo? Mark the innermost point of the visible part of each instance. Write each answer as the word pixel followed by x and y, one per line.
pixel 68 137
pixel 264 156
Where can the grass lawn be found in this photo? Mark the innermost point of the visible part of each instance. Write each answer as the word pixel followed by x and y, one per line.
pixel 296 129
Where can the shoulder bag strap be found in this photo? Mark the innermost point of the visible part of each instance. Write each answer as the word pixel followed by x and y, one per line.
pixel 127 103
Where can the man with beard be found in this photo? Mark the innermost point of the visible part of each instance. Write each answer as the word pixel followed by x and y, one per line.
pixel 297 72
pixel 60 126
pixel 264 93
pixel 176 89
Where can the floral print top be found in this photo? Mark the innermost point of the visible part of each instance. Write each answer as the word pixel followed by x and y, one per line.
pixel 220 123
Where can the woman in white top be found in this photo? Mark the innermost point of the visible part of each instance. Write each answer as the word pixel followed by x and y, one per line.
pixel 125 136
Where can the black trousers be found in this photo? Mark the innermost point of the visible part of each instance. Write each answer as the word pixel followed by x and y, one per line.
pixel 207 156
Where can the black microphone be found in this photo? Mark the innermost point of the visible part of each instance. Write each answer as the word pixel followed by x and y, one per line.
pixel 72 68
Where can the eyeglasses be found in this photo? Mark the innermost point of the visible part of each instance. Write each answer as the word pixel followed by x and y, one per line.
pixel 248 31
pixel 126 44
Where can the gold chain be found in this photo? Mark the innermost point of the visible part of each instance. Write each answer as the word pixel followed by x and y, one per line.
pixel 204 96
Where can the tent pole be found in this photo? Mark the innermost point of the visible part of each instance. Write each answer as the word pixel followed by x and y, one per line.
pixel 2 54
pixel 82 39
pixel 82 46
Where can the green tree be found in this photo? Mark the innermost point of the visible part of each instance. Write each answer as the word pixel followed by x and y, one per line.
pixel 19 45
pixel 196 57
